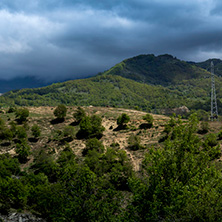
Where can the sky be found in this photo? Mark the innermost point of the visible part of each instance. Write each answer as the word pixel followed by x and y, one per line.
pixel 67 39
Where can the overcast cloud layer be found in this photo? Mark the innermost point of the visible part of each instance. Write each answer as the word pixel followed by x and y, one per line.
pixel 60 39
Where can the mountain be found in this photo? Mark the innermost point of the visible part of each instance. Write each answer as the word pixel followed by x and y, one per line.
pixel 159 70
pixel 207 64
pixel 165 83
pixel 116 91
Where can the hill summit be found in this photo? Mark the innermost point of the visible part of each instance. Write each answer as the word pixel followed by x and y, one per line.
pixel 158 70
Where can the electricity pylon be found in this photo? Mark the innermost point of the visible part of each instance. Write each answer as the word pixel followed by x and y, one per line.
pixel 214 112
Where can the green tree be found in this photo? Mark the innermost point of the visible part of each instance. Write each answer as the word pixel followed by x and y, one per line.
pixel 134 142
pixel 22 114
pixel 123 120
pixel 79 114
pixel 21 133
pixel 204 127
pixel 13 128
pixel 69 133
pixel 44 163
pixel 8 134
pixel 177 180
pixel 93 144
pixel 11 109
pixel 23 151
pixel 91 126
pixel 211 146
pixel 149 120
pixel 36 131
pixel 60 111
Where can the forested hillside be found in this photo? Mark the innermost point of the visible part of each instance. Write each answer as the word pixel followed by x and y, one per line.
pixel 144 82
pixel 108 164
pixel 111 90
pixel 159 70
pixel 207 64
pixel 105 90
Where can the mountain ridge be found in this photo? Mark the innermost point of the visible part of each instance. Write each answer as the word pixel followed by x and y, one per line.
pixel 162 70
pixel 121 86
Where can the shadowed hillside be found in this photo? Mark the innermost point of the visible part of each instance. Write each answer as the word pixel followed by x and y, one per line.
pixel 162 70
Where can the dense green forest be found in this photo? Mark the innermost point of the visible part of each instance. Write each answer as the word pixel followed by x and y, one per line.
pixel 98 91
pixel 158 70
pixel 179 178
pixel 116 91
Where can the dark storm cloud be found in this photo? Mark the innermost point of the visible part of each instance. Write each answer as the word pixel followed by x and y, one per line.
pixel 59 39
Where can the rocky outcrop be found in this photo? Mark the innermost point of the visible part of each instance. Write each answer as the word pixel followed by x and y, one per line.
pixel 178 111
pixel 20 217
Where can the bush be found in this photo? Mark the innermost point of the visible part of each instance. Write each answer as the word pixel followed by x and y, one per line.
pixel 123 120
pixel 22 115
pixel 79 114
pixel 204 127
pixel 60 111
pixel 23 150
pixel 13 128
pixel 211 146
pixel 149 120
pixel 11 109
pixel 8 134
pixel 57 135
pixel 69 132
pixel 93 144
pixel 36 132
pixel 44 163
pixel 91 127
pixel 134 142
pixel 210 140
pixel 21 133
pixel 220 135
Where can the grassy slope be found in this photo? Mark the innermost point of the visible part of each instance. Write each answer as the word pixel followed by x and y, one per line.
pixel 43 116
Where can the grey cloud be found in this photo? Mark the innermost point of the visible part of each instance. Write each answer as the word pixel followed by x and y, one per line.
pixel 60 39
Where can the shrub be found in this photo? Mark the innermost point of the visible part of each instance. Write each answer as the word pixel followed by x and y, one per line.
pixel 44 163
pixel 69 132
pixel 123 120
pixel 210 145
pixel 60 111
pixel 220 135
pixel 57 135
pixel 149 120
pixel 36 132
pixel 23 150
pixel 210 140
pixel 91 127
pixel 79 114
pixel 93 144
pixel 204 127
pixel 21 133
pixel 11 109
pixel 8 134
pixel 134 142
pixel 13 128
pixel 22 115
